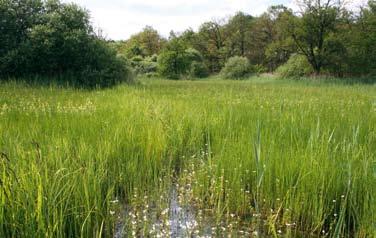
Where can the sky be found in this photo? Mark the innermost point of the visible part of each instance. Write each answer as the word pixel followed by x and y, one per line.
pixel 119 19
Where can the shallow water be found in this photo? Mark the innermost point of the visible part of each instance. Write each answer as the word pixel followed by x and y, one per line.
pixel 120 225
pixel 183 220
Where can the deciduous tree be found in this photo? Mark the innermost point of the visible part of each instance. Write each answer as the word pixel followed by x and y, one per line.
pixel 311 29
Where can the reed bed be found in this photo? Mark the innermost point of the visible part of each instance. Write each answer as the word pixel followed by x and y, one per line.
pixel 275 157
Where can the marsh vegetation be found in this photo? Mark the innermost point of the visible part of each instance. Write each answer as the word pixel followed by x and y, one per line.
pixel 269 155
pixel 268 128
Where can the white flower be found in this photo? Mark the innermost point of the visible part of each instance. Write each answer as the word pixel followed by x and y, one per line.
pixel 115 201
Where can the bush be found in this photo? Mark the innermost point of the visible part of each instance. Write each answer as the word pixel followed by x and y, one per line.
pixel 177 61
pixel 56 40
pixel 296 67
pixel 153 58
pixel 194 55
pixel 259 69
pixel 236 67
pixel 149 67
pixel 199 70
pixel 143 66
pixel 106 71
pixel 137 58
pixel 174 61
pixel 151 75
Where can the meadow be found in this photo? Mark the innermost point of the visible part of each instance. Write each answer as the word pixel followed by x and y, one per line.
pixel 255 157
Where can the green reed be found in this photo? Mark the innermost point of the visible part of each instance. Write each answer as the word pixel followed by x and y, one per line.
pixel 298 156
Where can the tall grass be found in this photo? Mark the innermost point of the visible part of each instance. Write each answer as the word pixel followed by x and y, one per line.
pixel 297 155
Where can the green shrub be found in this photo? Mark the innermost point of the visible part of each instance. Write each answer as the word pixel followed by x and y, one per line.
pixel 110 71
pixel 194 55
pixel 153 58
pixel 152 75
pixel 199 70
pixel 149 67
pixel 137 58
pixel 143 65
pixel 236 67
pixel 56 40
pixel 174 61
pixel 296 67
pixel 259 69
pixel 177 61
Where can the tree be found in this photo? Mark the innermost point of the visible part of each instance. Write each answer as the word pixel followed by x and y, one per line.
pixel 211 44
pixel 173 62
pixel 238 34
pixel 272 47
pixel 145 43
pixel 53 39
pixel 16 17
pixel 310 31
pixel 359 39
pixel 190 38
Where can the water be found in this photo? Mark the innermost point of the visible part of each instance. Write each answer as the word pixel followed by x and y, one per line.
pixel 179 220
pixel 182 218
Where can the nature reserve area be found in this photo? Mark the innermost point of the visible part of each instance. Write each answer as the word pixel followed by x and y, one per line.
pixel 247 119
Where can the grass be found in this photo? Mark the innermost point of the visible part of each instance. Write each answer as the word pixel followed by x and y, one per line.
pixel 302 156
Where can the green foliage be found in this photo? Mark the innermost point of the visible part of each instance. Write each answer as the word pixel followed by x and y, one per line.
pixel 49 38
pixel 296 67
pixel 249 36
pixel 259 69
pixel 177 61
pixel 137 58
pixel 236 67
pixel 336 56
pixel 239 32
pixel 174 61
pixel 143 65
pixel 312 30
pixel 278 52
pixel 150 67
pixel 109 69
pixel 193 55
pixel 152 75
pixel 55 39
pixel 146 43
pixel 153 58
pixel 210 41
pixel 359 40
pixel 198 70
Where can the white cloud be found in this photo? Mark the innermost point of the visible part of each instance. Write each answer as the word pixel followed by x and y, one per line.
pixel 119 19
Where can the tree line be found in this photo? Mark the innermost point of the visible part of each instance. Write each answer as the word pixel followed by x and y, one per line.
pixel 44 39
pixel 323 37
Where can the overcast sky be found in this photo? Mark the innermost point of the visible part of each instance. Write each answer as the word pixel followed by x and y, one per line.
pixel 119 19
